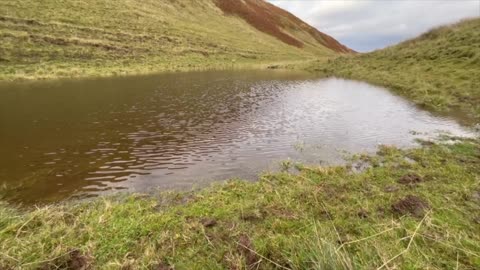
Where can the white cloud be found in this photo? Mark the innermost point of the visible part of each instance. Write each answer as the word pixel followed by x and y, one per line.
pixel 366 25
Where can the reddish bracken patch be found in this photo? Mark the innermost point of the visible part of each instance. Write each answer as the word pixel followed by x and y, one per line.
pixel 259 17
pixel 273 20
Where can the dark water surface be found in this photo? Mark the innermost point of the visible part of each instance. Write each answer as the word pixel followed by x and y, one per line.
pixel 83 138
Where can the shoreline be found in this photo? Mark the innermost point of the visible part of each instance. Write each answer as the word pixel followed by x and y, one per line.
pixel 376 198
pixel 131 71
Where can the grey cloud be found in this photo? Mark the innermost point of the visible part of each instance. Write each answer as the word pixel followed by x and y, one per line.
pixel 367 25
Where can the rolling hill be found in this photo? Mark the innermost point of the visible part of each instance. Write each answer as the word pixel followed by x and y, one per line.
pixel 51 38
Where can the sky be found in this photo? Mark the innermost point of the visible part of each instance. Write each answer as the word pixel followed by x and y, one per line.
pixel 366 25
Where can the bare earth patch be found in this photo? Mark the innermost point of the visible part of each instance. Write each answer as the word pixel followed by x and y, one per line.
pixel 410 179
pixel 246 248
pixel 412 205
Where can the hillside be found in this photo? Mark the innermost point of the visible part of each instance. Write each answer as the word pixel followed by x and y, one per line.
pixel 279 23
pixel 50 38
pixel 439 69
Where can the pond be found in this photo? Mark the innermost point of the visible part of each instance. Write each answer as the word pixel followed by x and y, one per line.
pixel 81 138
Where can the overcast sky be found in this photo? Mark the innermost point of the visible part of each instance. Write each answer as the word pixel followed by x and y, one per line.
pixel 365 25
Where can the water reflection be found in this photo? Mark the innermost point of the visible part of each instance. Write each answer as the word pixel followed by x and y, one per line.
pixel 80 138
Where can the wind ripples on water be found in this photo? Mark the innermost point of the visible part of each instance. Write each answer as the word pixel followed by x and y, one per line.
pixel 182 130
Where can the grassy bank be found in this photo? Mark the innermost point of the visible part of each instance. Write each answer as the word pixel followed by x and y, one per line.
pixel 407 209
pixel 54 39
pixel 439 70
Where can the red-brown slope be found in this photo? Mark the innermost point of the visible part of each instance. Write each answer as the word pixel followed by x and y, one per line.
pixel 273 20
pixel 259 17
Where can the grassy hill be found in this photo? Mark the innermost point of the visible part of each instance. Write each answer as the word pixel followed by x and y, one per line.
pixel 51 38
pixel 439 69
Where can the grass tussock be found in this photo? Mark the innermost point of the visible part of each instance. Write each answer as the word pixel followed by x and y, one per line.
pixel 438 70
pixel 408 209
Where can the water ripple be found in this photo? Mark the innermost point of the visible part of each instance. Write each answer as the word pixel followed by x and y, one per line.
pixel 175 131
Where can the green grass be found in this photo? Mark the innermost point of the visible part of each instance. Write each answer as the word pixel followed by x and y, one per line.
pixel 320 218
pixel 51 39
pixel 438 70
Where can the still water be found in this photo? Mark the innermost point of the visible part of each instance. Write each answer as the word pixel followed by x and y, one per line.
pixel 82 138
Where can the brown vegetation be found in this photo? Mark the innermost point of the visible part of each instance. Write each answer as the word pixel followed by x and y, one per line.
pixel 412 205
pixel 410 179
pixel 274 21
pixel 259 17
pixel 245 246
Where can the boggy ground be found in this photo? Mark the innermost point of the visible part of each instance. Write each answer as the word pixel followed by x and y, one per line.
pixel 399 209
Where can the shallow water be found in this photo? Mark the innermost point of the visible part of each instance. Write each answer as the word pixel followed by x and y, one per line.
pixel 82 138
